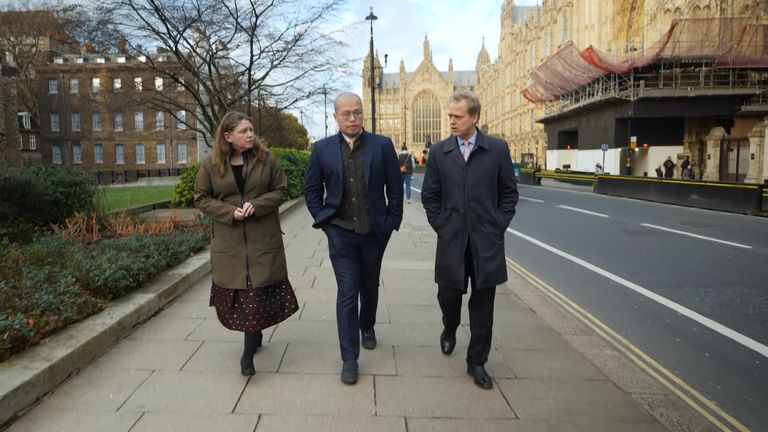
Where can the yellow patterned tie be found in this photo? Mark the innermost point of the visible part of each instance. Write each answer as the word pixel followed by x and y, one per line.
pixel 351 143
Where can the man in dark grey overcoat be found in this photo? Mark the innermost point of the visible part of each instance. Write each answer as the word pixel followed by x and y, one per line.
pixel 469 194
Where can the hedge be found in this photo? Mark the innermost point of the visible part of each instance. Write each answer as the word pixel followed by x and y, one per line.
pixel 42 195
pixel 51 283
pixel 294 163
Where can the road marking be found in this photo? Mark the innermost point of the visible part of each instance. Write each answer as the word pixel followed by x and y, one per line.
pixel 696 236
pixel 531 199
pixel 583 211
pixel 644 361
pixel 701 319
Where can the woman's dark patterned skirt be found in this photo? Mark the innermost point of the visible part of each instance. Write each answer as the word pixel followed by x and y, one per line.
pixel 254 309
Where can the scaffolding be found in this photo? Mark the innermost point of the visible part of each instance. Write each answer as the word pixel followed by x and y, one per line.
pixel 697 53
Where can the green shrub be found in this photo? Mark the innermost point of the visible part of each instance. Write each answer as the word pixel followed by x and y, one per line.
pixel 41 195
pixel 294 163
pixel 184 191
pixel 50 283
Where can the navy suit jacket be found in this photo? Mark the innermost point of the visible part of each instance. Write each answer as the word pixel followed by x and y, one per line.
pixel 324 184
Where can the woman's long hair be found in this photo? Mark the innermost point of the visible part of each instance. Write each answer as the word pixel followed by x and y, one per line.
pixel 222 148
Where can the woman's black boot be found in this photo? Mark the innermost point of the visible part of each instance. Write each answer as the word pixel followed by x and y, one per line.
pixel 251 344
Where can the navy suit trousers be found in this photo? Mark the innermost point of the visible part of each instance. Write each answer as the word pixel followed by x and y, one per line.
pixel 356 260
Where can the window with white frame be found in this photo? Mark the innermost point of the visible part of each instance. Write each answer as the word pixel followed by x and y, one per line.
pixel 117 84
pixel 77 154
pixel 26 121
pixel 32 142
pixel 140 154
pixel 97 121
pixel 159 120
pixel 118 121
pixel 138 120
pixel 53 86
pixel 56 154
pixel 95 85
pixel 98 153
pixel 159 83
pixel 137 84
pixel 75 122
pixel 181 150
pixel 74 86
pixel 182 118
pixel 119 154
pixel 55 126
pixel 160 153
pixel 121 59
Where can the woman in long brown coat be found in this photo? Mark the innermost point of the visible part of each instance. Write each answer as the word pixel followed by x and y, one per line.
pixel 241 185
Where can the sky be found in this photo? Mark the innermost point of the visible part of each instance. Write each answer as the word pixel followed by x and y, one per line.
pixel 455 29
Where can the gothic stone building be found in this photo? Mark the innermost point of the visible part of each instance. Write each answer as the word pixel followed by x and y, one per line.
pixel 412 107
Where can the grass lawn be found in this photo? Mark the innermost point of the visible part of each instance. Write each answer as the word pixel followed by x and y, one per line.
pixel 115 198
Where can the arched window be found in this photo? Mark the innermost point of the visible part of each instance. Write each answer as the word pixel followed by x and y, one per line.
pixel 426 118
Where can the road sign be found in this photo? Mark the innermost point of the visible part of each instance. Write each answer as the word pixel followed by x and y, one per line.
pixel 604 147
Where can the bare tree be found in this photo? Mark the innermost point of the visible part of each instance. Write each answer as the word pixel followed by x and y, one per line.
pixel 233 54
pixel 33 32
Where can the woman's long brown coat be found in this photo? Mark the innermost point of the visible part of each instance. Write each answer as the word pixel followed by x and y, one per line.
pixel 253 246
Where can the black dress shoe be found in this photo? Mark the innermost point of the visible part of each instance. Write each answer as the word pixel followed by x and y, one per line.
pixel 349 372
pixel 482 379
pixel 447 342
pixel 368 339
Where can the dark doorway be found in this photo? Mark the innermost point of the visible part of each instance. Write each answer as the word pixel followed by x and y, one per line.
pixel 734 159
pixel 568 140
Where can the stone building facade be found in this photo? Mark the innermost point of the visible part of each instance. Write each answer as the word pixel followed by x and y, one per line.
pixel 103 114
pixel 411 107
pixel 672 97
pixel 670 103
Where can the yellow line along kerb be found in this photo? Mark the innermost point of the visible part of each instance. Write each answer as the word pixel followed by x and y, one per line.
pixel 644 361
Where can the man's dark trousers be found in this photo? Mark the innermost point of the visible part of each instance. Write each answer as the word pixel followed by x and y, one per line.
pixel 356 260
pixel 480 312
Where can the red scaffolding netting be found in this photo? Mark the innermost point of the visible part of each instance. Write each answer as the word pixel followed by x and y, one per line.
pixel 730 42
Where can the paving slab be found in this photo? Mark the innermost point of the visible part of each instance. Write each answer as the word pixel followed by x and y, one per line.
pixel 308 394
pixel 170 422
pixel 438 397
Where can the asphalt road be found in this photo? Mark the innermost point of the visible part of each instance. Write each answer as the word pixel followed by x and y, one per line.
pixel 689 287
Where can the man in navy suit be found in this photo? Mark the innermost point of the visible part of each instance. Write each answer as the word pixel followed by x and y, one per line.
pixel 354 192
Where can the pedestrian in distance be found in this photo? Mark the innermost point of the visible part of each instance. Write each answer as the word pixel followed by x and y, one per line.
pixel 598 168
pixel 659 172
pixel 407 164
pixel 685 164
pixel 240 186
pixel 669 168
pixel 687 173
pixel 469 195
pixel 354 191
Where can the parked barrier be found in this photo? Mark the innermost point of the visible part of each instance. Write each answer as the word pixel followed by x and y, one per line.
pixel 730 197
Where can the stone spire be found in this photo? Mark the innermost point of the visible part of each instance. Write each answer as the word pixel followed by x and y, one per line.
pixel 427 51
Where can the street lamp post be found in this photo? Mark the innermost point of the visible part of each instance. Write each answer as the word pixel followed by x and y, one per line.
pixel 371 79
pixel 325 109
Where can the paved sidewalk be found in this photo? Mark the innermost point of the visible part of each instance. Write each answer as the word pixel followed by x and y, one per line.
pixel 180 370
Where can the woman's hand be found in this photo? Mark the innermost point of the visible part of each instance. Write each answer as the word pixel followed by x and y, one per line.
pixel 245 212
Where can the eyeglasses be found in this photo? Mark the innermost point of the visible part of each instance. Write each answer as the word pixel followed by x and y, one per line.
pixel 349 114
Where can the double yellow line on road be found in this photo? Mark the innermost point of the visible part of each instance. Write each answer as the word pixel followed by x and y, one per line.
pixel 708 409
